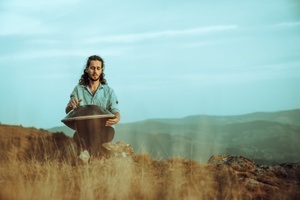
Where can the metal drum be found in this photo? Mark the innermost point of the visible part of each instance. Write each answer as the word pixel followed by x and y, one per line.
pixel 89 123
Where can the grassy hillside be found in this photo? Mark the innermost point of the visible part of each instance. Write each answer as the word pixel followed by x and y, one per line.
pixel 35 164
pixel 17 142
pixel 266 137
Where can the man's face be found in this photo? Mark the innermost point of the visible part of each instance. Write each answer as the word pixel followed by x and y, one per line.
pixel 94 70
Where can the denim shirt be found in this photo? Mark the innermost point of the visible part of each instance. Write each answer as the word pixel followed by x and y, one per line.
pixel 104 97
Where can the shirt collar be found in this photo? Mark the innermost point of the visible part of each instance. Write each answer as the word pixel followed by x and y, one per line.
pixel 100 87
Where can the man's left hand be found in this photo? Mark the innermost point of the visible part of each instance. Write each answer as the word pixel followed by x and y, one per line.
pixel 113 121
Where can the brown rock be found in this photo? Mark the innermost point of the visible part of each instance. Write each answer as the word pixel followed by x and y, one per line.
pixel 258 182
pixel 119 149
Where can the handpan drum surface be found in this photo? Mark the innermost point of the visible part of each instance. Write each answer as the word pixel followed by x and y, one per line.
pixel 86 114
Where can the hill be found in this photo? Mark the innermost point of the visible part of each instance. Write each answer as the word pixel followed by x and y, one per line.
pixel 265 137
pixel 34 165
pixel 17 142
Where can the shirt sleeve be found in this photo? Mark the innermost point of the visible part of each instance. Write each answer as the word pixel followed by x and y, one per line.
pixel 74 93
pixel 114 108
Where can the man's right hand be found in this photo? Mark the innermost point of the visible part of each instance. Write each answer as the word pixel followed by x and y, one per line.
pixel 73 103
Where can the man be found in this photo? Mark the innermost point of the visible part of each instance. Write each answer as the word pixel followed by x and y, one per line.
pixel 93 90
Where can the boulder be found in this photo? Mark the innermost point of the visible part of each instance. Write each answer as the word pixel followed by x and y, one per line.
pixel 118 149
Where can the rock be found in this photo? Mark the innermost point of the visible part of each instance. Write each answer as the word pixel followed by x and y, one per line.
pixel 292 171
pixel 239 163
pixel 119 149
pixel 262 182
pixel 84 156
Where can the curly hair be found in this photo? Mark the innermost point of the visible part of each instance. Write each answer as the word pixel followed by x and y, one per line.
pixel 84 80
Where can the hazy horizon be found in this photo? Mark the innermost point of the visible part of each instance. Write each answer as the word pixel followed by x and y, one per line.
pixel 168 59
pixel 161 118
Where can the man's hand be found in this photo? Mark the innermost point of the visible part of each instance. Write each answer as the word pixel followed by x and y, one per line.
pixel 113 121
pixel 73 103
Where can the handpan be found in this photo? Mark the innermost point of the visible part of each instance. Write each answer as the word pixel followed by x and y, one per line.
pixel 89 123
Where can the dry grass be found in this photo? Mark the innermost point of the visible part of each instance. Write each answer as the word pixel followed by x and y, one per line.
pixel 139 177
pixel 36 166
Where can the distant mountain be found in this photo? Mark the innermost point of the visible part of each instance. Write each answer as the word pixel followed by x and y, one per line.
pixel 265 137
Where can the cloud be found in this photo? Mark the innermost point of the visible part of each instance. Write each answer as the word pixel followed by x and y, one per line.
pixel 30 5
pixel 31 17
pixel 38 54
pixel 287 25
pixel 204 43
pixel 18 24
pixel 135 37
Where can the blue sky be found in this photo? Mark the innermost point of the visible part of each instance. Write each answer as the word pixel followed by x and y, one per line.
pixel 164 59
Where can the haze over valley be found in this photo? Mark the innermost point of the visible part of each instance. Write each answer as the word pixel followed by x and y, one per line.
pixel 265 137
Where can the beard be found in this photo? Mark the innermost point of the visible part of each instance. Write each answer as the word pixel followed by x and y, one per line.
pixel 94 77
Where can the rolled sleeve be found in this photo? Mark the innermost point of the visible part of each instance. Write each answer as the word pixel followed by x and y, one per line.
pixel 114 107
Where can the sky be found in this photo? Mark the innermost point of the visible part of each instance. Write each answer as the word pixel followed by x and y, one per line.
pixel 164 59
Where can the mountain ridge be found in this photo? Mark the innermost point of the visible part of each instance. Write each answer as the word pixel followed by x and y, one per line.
pixel 270 137
pixel 277 116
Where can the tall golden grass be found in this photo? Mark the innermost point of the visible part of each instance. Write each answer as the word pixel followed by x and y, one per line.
pixel 137 177
pixel 35 167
